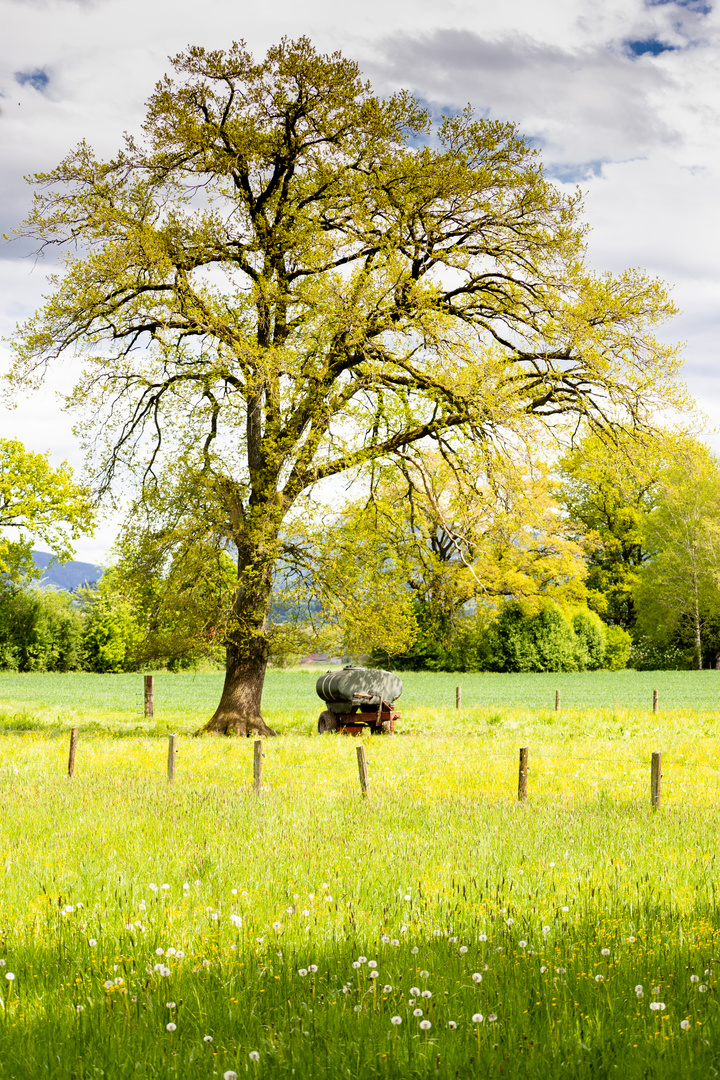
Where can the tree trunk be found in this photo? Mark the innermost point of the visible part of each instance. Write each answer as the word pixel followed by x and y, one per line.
pixel 698 635
pixel 239 711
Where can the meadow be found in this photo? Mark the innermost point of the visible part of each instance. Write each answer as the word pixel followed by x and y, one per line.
pixel 438 929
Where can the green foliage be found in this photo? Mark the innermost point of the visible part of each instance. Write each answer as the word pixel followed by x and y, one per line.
pixel 40 630
pixel 111 636
pixel 618 648
pixel 525 640
pixel 37 502
pixel 590 641
pixel 265 285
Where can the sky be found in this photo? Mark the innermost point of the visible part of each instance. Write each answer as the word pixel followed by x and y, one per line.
pixel 622 97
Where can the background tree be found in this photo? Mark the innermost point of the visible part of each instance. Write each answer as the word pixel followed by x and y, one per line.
pixel 37 503
pixel 678 591
pixel 286 278
pixel 608 489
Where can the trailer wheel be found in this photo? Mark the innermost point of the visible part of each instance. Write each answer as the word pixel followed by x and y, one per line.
pixel 327 721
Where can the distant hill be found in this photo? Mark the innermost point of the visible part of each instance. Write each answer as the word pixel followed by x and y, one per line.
pixel 68 576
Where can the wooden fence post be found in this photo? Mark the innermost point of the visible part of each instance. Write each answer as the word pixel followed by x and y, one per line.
pixel 148 697
pixel 172 754
pixel 523 774
pixel 362 770
pixel 458 697
pixel 655 701
pixel 557 701
pixel 655 779
pixel 73 751
pixel 257 766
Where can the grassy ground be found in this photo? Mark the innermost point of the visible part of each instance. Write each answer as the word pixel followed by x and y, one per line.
pixel 128 905
pixel 290 704
pixel 199 930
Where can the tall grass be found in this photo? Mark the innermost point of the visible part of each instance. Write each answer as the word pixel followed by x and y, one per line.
pixel 562 906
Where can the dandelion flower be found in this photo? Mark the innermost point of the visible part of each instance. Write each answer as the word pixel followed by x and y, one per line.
pixel 463 949
pixel 639 994
pixel 254 1056
pixel 207 1038
pixel 546 929
pixel 169 1004
pixel 425 1024
pixel 492 1018
pixel 685 1024
pixel 452 1024
pixel 362 959
pixel 639 988
pixel 171 1026
pixel 702 988
pixel 152 886
pixel 424 974
pixel 477 1018
pixel 561 970
pixel 564 908
pixel 657 1006
pixel 277 926
pixel 230 1075
pixel 302 971
pixel 108 984
pixel 171 952
pixel 482 937
pixel 604 952
pixel 414 950
pixel 522 944
pixel 414 991
pixel 477 977
pixel 631 940
pixel 452 940
pixel 372 963
pixel 92 941
pixel 305 912
pixel 179 955
pixel 69 909
pixel 599 978
pixel 374 974
pixel 387 989
pixel 407 897
pixel 165 972
pixel 417 1012
pixel 233 892
pixel 165 886
pixel 9 975
pixel 509 921
pixel 312 968
pixel 356 964
pixel 396 1020
pixel 159 952
pixel 119 981
pixel 694 978
pixel 543 969
pixel 394 941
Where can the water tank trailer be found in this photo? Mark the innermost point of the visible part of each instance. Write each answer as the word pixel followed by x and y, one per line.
pixel 358 699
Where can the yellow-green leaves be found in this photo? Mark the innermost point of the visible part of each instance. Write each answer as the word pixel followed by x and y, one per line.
pixel 37 502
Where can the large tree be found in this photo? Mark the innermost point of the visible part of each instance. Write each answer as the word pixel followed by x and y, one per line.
pixel 288 276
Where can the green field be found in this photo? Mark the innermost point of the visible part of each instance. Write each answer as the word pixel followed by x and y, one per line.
pixel 160 930
pixel 291 705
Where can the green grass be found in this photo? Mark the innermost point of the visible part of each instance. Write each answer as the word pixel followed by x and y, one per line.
pixel 290 704
pixel 527 896
pixel 533 892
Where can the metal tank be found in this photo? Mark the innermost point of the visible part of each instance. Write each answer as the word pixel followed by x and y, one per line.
pixel 357 698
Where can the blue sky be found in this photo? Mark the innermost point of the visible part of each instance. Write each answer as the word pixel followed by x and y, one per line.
pixel 622 97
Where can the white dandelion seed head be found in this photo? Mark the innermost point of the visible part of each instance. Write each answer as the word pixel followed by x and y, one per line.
pixel 452 940
pixel 362 959
pixel 702 988
pixel 169 1004
pixel 509 921
pixel 119 981
pixel 657 1006
pixel 546 929
pixel 482 937
pixel 69 909
pixel 564 908
pixel 452 1024
pixel 656 989
pixel 477 977
pixel 424 974
pixel 233 892
pixel 254 1055
pixel 387 989
pixel 463 949
pixel 230 1075
pixel 372 963
pixel 599 978
pixel 312 968
pixel 171 1026
pixel 639 988
pixel 543 969
pixel 631 940
pixel 425 1024
pixel 10 976
pixel 91 942
pixel 394 941
pixel 685 1024
pixel 385 939
pixel 302 972
pixel 561 970
pixel 356 964
pixel 414 991
pixel 108 984
pixel 604 952
pixel 407 896
pixel 417 1012
pixel 207 1038
pixel 152 887
pixel 276 926
pixel 694 978
pixel 426 994
pixel 522 944
pixel 477 1018
pixel 171 952
pixel 179 955
pixel 165 886
pixel 414 950
pixel 396 1020
pixel 305 912
pixel 159 952
pixel 492 1017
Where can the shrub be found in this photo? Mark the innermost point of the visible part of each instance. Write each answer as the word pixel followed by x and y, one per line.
pixel 40 630
pixel 618 648
pixel 590 641
pixel 522 640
